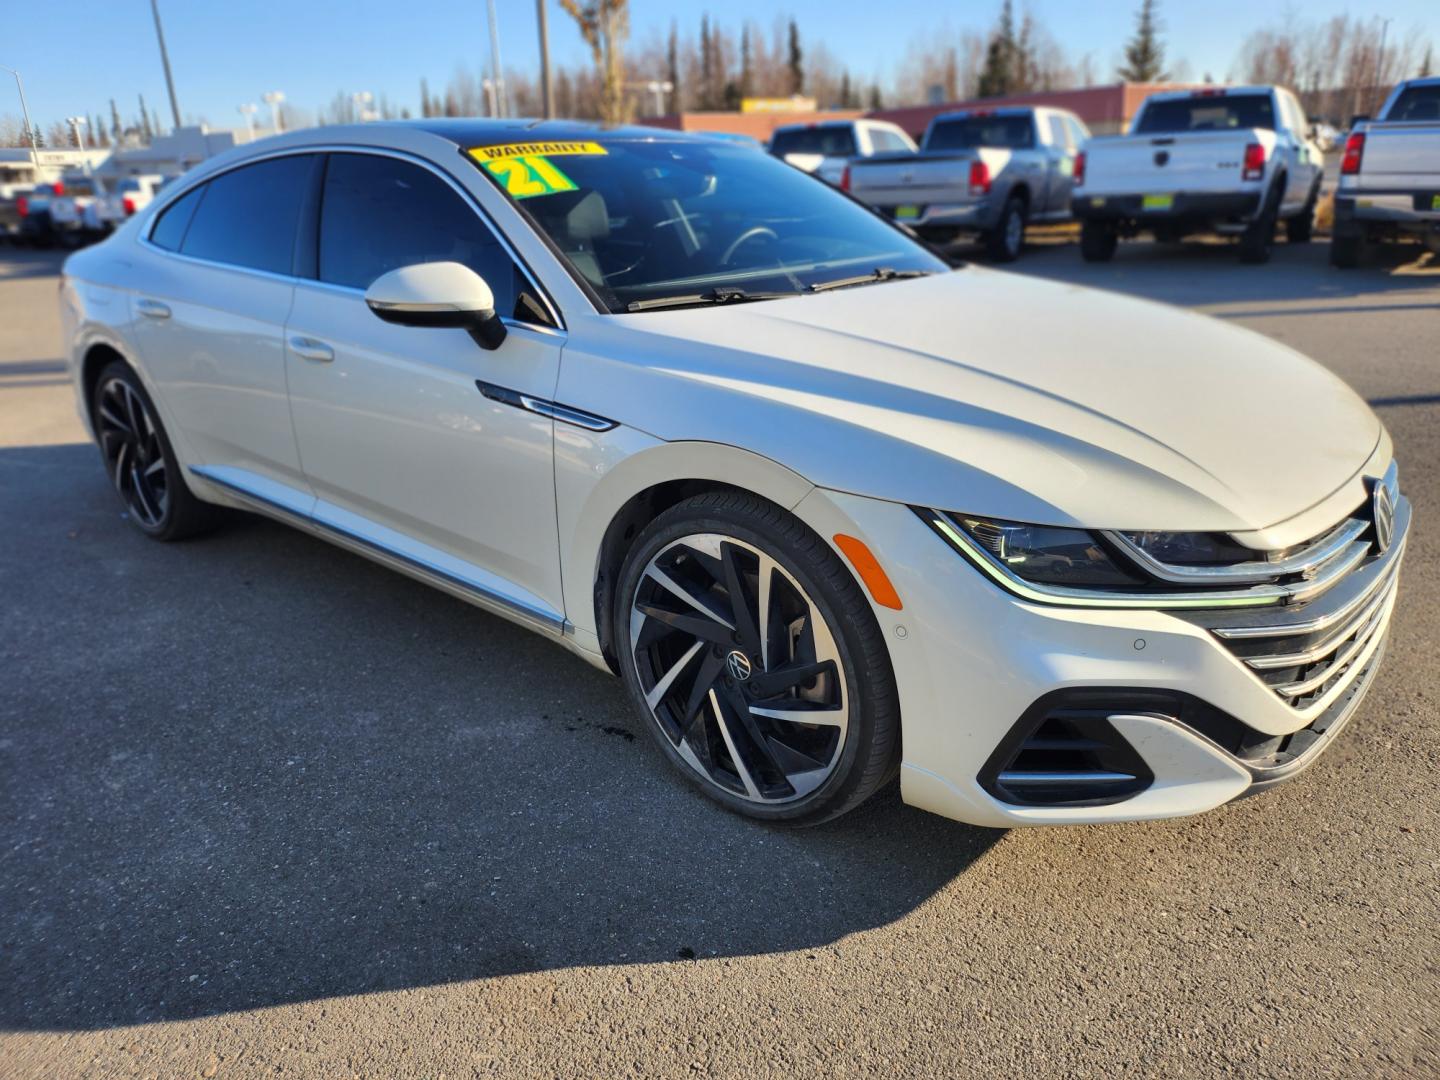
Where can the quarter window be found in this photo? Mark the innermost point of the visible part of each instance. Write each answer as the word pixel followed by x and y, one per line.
pixel 169 230
pixel 380 213
pixel 247 217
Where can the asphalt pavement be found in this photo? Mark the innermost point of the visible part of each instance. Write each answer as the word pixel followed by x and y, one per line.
pixel 269 809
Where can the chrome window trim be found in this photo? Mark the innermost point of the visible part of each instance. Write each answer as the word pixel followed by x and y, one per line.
pixel 351 148
pixel 1328 547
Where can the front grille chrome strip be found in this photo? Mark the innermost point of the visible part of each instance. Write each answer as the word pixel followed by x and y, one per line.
pixel 1332 642
pixel 1339 664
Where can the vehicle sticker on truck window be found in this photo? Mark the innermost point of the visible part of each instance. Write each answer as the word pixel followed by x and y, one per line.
pixel 525 169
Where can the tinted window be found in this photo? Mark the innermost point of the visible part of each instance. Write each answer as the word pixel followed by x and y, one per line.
pixel 970 132
pixel 829 141
pixel 380 214
pixel 1417 103
pixel 169 231
pixel 248 215
pixel 1207 113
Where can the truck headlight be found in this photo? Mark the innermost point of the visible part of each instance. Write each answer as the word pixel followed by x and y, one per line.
pixel 1046 554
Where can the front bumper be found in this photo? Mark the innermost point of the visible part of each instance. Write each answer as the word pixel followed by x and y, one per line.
pixel 973 663
pixel 1239 206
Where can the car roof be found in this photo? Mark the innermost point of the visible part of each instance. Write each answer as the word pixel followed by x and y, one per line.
pixel 482 131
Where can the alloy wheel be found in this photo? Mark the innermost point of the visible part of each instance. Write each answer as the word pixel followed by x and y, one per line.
pixel 134 457
pixel 1014 231
pixel 739 668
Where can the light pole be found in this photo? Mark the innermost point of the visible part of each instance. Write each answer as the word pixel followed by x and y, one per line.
pixel 1380 63
pixel 76 123
pixel 273 98
pixel 488 85
pixel 496 71
pixel 29 127
pixel 659 88
pixel 248 110
pixel 165 62
pixel 547 88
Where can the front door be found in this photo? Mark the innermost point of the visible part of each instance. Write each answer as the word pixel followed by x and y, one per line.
pixel 400 445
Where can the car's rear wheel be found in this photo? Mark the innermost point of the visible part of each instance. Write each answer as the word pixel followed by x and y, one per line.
pixel 140 461
pixel 1347 249
pixel 1098 241
pixel 1259 237
pixel 1006 240
pixel 1300 229
pixel 757 661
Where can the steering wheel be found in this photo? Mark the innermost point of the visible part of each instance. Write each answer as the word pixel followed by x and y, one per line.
pixel 752 233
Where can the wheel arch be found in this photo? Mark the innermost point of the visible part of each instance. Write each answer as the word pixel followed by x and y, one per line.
pixel 98 356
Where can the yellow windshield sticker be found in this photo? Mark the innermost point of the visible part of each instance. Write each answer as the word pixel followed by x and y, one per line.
pixel 508 151
pixel 526 177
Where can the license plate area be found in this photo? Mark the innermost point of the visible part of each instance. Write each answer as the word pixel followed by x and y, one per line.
pixel 1154 203
pixel 908 213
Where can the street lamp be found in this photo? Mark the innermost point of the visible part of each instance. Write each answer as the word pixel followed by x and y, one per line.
pixel 659 88
pixel 273 98
pixel 248 110
pixel 76 123
pixel 29 127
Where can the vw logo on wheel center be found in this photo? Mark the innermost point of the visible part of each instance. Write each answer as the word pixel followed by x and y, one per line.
pixel 739 666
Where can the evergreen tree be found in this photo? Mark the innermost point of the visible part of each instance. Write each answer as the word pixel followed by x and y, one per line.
pixel 876 101
pixel 999 75
pixel 707 65
pixel 1427 66
pixel 424 97
pixel 146 131
pixel 796 62
pixel 1144 53
pixel 117 129
pixel 747 73
pixel 672 70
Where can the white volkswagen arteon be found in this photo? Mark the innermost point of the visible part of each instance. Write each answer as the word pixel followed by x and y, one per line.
pixel 833 510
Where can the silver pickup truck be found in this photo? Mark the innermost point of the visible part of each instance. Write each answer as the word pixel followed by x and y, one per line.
pixel 979 171
pixel 1390 175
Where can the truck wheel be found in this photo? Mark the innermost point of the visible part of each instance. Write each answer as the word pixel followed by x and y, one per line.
pixel 1301 228
pixel 1259 236
pixel 1098 240
pixel 1005 242
pixel 1347 249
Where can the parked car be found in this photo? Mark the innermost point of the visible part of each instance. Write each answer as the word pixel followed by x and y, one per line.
pixel 833 510
pixel 826 147
pixel 1390 175
pixel 123 197
pixel 69 201
pixel 33 210
pixel 1325 135
pixel 1237 161
pixel 979 171
pixel 13 197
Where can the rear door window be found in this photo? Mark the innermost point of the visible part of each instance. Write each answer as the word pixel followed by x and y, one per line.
pixel 248 215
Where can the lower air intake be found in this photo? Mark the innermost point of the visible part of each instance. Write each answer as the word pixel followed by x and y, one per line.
pixel 1066 757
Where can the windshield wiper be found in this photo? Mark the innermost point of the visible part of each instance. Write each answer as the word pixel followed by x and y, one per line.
pixel 880 273
pixel 721 294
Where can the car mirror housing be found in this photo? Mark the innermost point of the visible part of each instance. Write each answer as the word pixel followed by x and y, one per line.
pixel 438 294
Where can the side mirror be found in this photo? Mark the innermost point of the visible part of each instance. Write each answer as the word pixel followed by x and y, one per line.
pixel 445 294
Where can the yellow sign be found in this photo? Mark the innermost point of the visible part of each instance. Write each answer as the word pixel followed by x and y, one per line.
pixel 526 177
pixel 507 151
pixel 783 104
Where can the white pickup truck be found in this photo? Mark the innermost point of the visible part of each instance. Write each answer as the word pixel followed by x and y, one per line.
pixel 1233 160
pixel 127 195
pixel 826 148
pixel 987 171
pixel 1390 175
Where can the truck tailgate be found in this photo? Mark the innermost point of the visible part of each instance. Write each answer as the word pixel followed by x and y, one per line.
pixel 1193 161
pixel 1405 155
pixel 916 178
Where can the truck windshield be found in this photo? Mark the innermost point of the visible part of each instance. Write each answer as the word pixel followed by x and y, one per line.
pixel 647 220
pixel 833 140
pixel 1206 113
pixel 973 132
pixel 1416 103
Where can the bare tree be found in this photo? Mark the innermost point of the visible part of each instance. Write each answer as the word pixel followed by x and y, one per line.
pixel 605 25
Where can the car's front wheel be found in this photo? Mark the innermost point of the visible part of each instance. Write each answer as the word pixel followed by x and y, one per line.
pixel 756 660
pixel 140 460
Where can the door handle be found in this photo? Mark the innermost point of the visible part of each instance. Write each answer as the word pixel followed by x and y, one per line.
pixel 152 309
pixel 310 349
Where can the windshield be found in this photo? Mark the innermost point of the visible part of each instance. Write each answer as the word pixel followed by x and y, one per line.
pixel 646 220
pixel 834 140
pixel 972 132
pixel 1416 103
pixel 1207 113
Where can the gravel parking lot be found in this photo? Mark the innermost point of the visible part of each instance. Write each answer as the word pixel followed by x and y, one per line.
pixel 270 809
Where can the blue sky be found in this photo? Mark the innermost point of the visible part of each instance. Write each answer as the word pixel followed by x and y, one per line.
pixel 76 56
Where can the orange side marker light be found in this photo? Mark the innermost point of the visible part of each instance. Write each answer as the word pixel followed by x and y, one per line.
pixel 870 571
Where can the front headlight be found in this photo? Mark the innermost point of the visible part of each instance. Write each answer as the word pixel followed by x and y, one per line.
pixel 1191 548
pixel 1046 554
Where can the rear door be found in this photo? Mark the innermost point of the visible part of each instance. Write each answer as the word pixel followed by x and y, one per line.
pixel 404 448
pixel 210 308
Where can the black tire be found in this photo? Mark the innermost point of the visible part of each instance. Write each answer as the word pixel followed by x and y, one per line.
pixel 867 756
pixel 1300 229
pixel 170 512
pixel 1098 241
pixel 1259 237
pixel 1347 249
pixel 1006 240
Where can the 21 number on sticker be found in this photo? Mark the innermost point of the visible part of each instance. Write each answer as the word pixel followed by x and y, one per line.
pixel 526 177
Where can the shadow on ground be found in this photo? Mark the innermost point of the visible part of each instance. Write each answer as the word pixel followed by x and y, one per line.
pixel 253 769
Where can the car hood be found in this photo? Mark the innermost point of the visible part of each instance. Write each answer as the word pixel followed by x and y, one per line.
pixel 997 394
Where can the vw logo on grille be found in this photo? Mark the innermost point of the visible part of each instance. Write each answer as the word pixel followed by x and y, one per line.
pixel 739 665
pixel 1382 504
